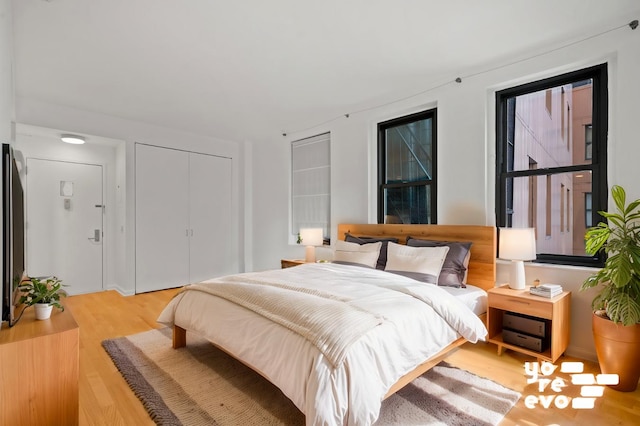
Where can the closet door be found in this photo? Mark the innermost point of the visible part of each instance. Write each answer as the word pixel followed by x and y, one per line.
pixel 162 212
pixel 210 253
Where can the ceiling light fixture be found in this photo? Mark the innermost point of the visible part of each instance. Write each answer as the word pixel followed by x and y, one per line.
pixel 74 139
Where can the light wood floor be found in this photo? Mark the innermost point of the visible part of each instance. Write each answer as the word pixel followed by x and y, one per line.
pixel 105 398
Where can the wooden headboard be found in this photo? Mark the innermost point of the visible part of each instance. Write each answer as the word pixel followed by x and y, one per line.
pixel 482 263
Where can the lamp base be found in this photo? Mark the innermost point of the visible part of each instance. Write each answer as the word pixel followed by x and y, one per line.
pixel 310 254
pixel 517 281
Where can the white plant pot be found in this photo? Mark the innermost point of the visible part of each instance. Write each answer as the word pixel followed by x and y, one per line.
pixel 43 310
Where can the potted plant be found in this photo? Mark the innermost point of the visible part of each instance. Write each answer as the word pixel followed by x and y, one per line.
pixel 616 317
pixel 43 294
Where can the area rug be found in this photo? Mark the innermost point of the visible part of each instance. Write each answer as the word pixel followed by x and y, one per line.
pixel 201 385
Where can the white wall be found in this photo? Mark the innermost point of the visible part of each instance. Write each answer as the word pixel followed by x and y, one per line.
pixel 31 112
pixel 6 72
pixel 466 158
pixel 6 84
pixel 45 143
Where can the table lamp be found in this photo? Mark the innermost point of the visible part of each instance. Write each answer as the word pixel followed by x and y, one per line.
pixel 517 245
pixel 311 237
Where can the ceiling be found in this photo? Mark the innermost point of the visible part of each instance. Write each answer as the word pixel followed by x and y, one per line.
pixel 252 69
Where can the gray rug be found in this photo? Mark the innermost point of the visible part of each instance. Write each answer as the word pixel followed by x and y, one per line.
pixel 201 385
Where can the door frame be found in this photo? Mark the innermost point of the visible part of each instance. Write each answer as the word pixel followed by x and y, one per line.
pixel 105 210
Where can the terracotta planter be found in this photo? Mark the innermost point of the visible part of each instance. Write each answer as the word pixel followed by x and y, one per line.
pixel 618 349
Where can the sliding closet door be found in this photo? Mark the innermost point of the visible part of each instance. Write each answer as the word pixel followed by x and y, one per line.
pixel 162 212
pixel 210 253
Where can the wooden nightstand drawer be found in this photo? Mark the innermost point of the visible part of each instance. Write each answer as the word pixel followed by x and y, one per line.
pixel 522 304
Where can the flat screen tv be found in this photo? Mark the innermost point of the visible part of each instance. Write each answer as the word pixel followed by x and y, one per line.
pixel 12 232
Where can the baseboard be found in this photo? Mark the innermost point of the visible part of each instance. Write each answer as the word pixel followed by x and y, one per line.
pixel 582 353
pixel 120 290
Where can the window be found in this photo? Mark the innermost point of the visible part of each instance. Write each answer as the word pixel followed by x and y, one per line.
pixel 588 141
pixel 407 169
pixel 548 101
pixel 533 196
pixel 547 223
pixel 563 126
pixel 562 207
pixel 568 217
pixel 527 134
pixel 568 128
pixel 311 184
pixel 588 210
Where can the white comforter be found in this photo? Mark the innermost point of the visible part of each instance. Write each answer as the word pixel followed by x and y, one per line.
pixel 419 320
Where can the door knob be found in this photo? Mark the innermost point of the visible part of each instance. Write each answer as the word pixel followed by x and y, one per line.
pixel 96 236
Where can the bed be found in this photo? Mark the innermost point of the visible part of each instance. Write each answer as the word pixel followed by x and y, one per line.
pixel 394 329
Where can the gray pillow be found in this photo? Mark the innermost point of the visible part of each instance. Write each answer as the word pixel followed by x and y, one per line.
pixel 382 258
pixel 454 269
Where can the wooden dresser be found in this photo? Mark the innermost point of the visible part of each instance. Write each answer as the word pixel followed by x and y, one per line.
pixel 39 370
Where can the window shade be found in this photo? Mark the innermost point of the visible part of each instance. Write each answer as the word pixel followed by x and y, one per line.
pixel 311 183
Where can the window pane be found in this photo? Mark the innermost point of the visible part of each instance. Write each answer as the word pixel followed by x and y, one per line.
pixel 408 204
pixel 408 152
pixel 554 205
pixel 553 136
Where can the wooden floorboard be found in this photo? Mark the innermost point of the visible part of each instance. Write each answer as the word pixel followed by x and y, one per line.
pixel 613 408
pixel 106 399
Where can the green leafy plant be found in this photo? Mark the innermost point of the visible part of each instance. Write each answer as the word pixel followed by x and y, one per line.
pixel 619 297
pixel 48 290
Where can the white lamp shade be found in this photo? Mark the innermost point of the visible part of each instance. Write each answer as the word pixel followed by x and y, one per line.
pixel 517 244
pixel 311 236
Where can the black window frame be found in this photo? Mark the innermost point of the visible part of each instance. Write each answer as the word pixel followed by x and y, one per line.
pixel 598 167
pixel 382 161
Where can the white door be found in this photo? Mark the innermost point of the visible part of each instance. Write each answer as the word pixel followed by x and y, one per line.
pixel 64 223
pixel 209 217
pixel 162 214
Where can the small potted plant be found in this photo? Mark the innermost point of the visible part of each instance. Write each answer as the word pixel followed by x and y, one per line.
pixel 616 317
pixel 43 294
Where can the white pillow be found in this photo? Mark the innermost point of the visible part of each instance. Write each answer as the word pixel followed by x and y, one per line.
pixel 420 263
pixel 358 254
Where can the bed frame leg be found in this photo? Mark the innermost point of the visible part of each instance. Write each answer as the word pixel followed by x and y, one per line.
pixel 179 337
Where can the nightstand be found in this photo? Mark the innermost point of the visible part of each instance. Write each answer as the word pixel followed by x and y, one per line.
pixel 288 263
pixel 556 310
